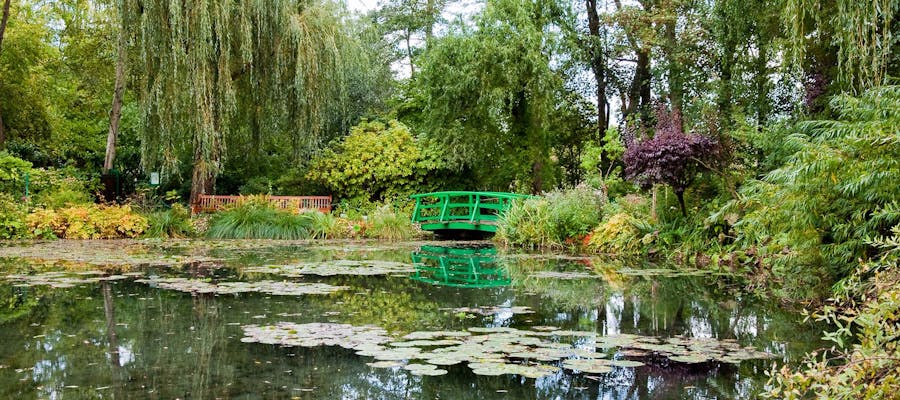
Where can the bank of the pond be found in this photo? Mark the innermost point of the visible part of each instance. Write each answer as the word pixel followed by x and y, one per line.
pixel 376 319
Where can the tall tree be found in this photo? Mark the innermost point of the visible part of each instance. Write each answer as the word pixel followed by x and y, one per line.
pixel 598 62
pixel 3 20
pixel 115 113
pixel 637 25
pixel 409 22
pixel 492 93
pixel 203 62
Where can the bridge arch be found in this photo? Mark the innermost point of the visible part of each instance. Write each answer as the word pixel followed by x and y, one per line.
pixel 443 212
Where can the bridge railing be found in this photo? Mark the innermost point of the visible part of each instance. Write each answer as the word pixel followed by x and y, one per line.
pixel 472 207
pixel 212 203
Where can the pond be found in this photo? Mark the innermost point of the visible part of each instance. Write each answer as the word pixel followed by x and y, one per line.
pixel 349 320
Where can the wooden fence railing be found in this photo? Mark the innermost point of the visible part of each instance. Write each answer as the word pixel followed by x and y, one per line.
pixel 212 203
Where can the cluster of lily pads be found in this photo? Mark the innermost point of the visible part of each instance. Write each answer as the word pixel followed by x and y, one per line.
pixel 494 310
pixel 101 252
pixel 66 279
pixel 336 267
pixel 533 353
pixel 268 287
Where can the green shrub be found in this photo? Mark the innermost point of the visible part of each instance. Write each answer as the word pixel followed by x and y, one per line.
pixel 87 222
pixel 256 218
pixel 557 219
pixel 389 224
pixel 573 213
pixel 375 162
pixel 12 173
pixel 63 197
pixel 12 218
pixel 627 230
pixel 172 223
pixel 58 188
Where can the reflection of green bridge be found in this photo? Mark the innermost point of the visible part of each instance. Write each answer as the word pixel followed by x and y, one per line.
pixel 468 211
pixel 459 267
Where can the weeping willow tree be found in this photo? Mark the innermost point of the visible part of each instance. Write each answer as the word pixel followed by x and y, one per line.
pixel 215 69
pixel 493 93
pixel 862 31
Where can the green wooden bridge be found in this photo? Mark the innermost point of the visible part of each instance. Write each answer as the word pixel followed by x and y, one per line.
pixel 443 212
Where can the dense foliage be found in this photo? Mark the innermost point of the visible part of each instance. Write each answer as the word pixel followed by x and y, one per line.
pixel 838 189
pixel 558 219
pixel 375 162
pixel 87 222
pixel 780 126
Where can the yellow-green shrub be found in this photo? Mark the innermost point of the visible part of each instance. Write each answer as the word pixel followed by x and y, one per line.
pixel 617 234
pixel 87 222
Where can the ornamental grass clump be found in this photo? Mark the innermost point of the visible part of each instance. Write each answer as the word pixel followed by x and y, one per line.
pixel 256 218
pixel 172 223
pixel 556 220
pixel 325 226
pixel 388 224
pixel 525 224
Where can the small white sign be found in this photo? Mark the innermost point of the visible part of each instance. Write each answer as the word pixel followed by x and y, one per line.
pixel 154 178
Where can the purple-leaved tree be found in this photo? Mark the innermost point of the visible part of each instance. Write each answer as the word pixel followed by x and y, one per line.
pixel 670 157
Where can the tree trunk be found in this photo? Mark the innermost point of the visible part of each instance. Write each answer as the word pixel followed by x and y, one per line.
pixel 537 182
pixel 726 87
pixel 203 177
pixel 115 113
pixel 429 27
pixel 639 91
pixel 3 20
pixel 679 193
pixel 675 79
pixel 598 67
pixel 761 83
pixel 412 67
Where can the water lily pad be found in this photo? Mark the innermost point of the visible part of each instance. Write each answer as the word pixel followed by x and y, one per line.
pixel 591 366
pixel 528 371
pixel 425 335
pixel 563 275
pixel 103 253
pixel 492 329
pixel 425 369
pixel 426 343
pixel 60 280
pixel 625 363
pixel 544 328
pixel 336 267
pixel 690 358
pixel 494 310
pixel 398 353
pixel 289 334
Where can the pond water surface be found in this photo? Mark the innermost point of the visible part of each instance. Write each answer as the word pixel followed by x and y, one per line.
pixel 342 320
